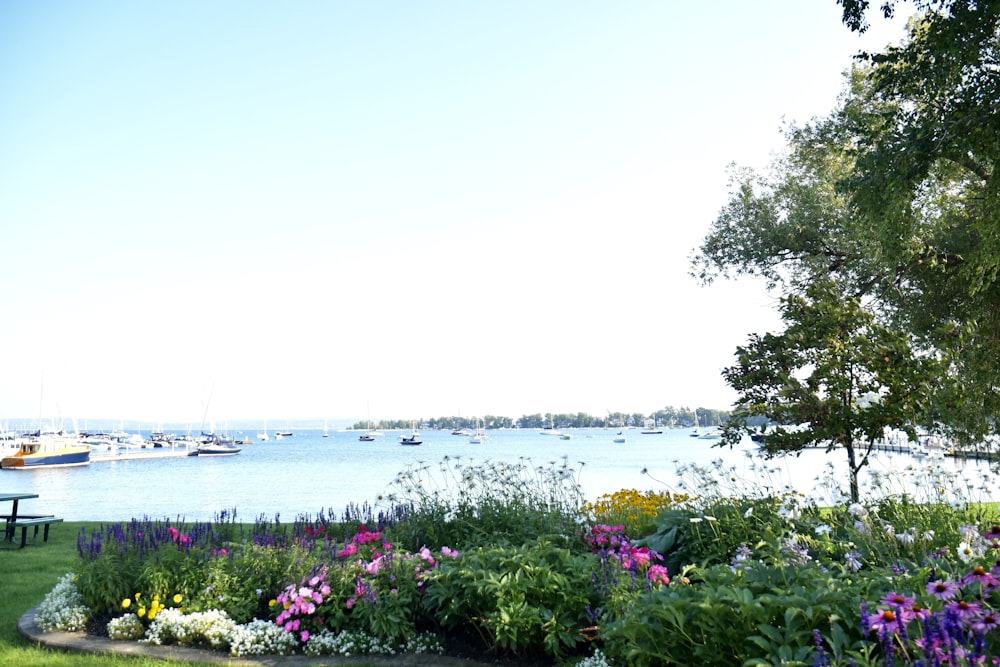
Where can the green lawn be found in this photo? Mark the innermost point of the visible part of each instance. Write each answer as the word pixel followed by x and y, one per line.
pixel 26 576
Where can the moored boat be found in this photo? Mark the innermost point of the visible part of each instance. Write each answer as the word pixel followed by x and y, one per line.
pixel 216 446
pixel 37 454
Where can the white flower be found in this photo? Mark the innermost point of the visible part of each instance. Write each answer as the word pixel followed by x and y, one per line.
pixel 853 561
pixel 63 608
pixel 746 515
pixel 965 552
pixel 823 529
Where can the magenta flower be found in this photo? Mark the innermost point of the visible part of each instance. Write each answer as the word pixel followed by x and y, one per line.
pixel 942 590
pixel 304 636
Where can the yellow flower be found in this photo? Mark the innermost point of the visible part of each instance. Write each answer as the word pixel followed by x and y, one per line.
pixel 138 595
pixel 177 598
pixel 141 613
pixel 272 603
pixel 126 603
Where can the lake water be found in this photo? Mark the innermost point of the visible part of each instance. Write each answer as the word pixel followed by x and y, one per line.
pixel 308 473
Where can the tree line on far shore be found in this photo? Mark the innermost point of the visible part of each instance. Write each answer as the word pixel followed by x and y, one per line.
pixel 668 417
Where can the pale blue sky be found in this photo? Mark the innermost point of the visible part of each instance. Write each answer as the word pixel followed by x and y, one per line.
pixel 428 208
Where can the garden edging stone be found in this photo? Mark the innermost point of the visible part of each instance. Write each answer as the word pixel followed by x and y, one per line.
pixel 84 643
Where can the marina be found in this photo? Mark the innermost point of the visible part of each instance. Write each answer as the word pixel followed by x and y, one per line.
pixel 310 473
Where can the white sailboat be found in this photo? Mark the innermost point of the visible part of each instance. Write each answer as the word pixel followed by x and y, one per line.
pixel 263 436
pixel 479 436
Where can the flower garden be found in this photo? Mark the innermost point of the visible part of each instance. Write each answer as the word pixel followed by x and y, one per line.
pixel 509 561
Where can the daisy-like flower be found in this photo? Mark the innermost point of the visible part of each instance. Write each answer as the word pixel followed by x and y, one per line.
pixel 966 611
pixel 993 535
pixel 895 600
pixel 942 590
pixel 982 577
pixel 986 622
pixel 884 619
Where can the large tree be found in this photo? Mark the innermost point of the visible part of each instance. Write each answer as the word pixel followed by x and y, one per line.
pixel 926 178
pixel 895 195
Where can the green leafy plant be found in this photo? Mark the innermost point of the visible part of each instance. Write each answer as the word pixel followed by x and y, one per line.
pixel 515 599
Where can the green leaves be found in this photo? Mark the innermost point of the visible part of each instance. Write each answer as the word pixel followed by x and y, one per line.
pixel 836 374
pixel 515 598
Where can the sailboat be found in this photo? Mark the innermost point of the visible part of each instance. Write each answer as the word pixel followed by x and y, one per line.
pixel 479 436
pixel 263 436
pixel 326 431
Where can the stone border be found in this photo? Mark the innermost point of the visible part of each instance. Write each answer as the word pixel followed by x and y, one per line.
pixel 84 643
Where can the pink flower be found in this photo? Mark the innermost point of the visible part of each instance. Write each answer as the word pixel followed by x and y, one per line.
pixel 304 636
pixel 451 553
pixel 658 575
pixel 350 603
pixel 884 619
pixel 425 554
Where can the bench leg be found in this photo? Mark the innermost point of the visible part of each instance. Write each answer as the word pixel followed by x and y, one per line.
pixel 24 536
pixel 45 533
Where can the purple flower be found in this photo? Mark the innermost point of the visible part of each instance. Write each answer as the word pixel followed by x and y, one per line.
pixel 897 600
pixel 942 590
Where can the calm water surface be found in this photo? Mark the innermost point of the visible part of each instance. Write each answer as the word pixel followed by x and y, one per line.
pixel 307 473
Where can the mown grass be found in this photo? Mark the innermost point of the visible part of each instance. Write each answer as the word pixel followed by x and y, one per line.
pixel 26 576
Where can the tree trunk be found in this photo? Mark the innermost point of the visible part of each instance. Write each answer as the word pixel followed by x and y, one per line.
pixel 852 469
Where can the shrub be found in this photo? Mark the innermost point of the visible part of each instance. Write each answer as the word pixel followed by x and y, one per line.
pixel 516 599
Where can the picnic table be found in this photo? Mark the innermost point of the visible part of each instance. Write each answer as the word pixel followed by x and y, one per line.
pixel 12 517
pixel 23 521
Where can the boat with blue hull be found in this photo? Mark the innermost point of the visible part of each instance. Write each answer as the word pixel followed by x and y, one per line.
pixel 41 454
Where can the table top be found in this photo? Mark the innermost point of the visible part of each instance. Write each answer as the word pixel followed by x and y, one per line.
pixel 16 496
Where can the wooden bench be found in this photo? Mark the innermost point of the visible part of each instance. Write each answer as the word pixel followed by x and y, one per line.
pixel 24 523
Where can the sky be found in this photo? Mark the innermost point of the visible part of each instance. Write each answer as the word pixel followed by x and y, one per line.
pixel 402 210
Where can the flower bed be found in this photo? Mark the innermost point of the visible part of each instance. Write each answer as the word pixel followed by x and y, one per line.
pixel 717 579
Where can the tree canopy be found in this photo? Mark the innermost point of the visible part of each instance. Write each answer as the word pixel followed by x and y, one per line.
pixel 894 197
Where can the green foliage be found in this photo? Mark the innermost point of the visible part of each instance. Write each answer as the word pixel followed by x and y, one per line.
pixel 835 373
pixel 461 503
pixel 759 615
pixel 516 599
